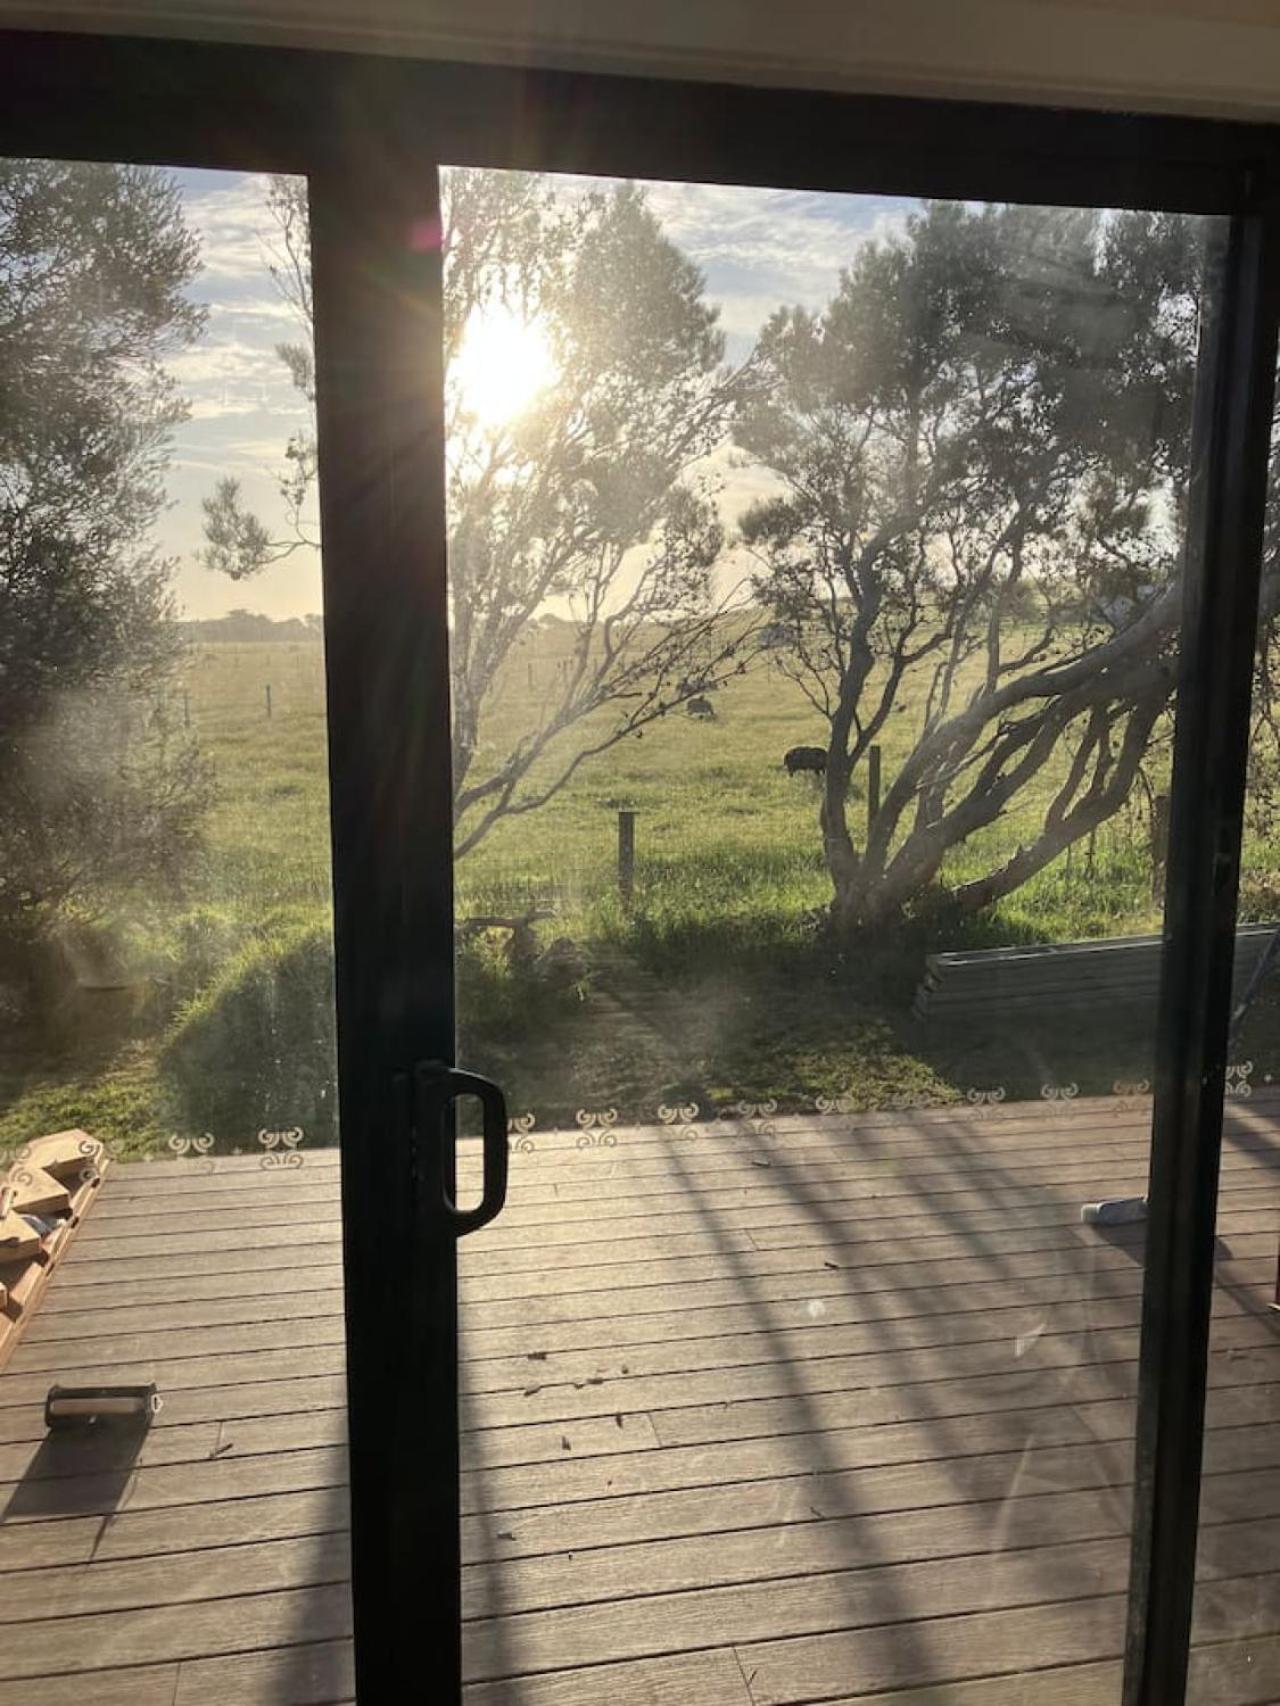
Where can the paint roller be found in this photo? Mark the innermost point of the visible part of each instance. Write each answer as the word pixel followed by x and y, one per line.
pixel 92 1406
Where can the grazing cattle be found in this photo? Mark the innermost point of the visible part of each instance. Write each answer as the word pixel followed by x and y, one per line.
pixel 802 758
pixel 701 708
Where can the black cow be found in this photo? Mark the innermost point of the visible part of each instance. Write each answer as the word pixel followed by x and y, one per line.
pixel 701 708
pixel 802 758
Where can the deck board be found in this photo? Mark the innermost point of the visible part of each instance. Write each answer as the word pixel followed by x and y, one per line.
pixel 832 1409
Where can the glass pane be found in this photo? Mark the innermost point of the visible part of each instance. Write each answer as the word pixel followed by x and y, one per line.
pixel 1237 1608
pixel 814 571
pixel 167 1088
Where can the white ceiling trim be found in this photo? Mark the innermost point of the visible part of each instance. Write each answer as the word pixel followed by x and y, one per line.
pixel 1087 54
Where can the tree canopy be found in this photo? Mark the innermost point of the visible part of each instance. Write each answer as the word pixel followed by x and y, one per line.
pixel 979 451
pixel 94 265
pixel 591 501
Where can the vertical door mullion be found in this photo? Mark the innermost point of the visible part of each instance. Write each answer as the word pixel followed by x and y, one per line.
pixel 377 280
pixel 1229 454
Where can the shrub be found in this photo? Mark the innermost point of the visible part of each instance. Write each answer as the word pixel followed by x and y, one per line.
pixel 256 1049
pixel 1259 897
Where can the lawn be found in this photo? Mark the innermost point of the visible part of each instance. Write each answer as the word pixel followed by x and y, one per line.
pixel 713 987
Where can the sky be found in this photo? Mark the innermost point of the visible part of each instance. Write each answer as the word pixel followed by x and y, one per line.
pixel 757 248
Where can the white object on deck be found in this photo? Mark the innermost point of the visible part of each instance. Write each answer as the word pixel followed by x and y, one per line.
pixel 1114 1211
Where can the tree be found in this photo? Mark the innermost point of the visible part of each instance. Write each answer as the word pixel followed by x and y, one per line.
pixel 980 454
pixel 1260 887
pixel 592 501
pixel 98 792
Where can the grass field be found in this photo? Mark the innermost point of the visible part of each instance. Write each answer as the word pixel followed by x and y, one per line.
pixel 712 988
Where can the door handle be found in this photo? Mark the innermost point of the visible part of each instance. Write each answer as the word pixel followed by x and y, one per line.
pixel 437 1088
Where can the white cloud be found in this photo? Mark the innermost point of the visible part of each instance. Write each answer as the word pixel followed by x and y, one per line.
pixel 743 313
pixel 271 311
pixel 759 248
pixel 762 248
pixel 234 227
pixel 791 242
pixel 226 374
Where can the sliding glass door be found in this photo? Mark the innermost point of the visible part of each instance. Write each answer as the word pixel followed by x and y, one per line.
pixel 789 587
pixel 172 1392
pixel 816 575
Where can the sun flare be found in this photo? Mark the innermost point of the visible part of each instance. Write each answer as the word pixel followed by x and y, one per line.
pixel 502 365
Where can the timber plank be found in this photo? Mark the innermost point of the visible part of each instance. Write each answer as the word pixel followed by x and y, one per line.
pixel 697 1319
pixel 75 1292
pixel 506 1303
pixel 114 1585
pixel 146 1685
pixel 792 1549
pixel 303 1674
pixel 754 1337
pixel 885 1216
pixel 166 1529
pixel 210 1340
pixel 779 1306
pixel 164 1634
pixel 1217 1676
pixel 1250 1338
pixel 1102 1469
pixel 819 1410
pixel 174 1485
pixel 245 1400
pixel 666 1169
pixel 904 1260
pixel 179 1275
pixel 895 1266
pixel 920 1443
pixel 1026 1639
pixel 710 1678
pixel 577 1189
pixel 636 1467
pixel 84 1316
pixel 1253 1341
pixel 979 1457
pixel 822 1604
pixel 761 1183
pixel 910 1241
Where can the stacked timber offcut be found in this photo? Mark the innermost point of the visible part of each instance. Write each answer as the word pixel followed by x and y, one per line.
pixel 44 1194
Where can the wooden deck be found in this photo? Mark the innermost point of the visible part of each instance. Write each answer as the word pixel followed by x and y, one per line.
pixel 755 1413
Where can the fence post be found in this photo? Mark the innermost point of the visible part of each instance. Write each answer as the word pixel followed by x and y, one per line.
pixel 626 856
pixel 268 698
pixel 873 787
pixel 186 709
pixel 1159 842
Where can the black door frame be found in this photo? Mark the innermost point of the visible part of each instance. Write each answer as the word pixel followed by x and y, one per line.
pixel 369 133
pixel 1231 429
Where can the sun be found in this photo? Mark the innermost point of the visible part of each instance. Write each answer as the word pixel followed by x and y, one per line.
pixel 502 365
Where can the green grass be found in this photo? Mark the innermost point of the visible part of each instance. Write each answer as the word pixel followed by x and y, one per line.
pixel 716 809
pixel 713 987
pixel 264 873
